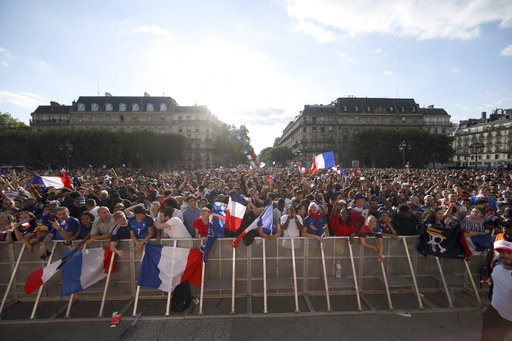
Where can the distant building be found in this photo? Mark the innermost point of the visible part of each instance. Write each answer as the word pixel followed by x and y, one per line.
pixel 320 128
pixel 484 142
pixel 138 113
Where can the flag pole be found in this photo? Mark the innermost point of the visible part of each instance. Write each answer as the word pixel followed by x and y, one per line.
pixel 232 283
pixel 201 293
pixel 136 301
pixel 40 290
pixel 295 278
pixel 386 285
pixel 264 279
pixel 100 314
pixel 356 284
pixel 169 294
pixel 472 282
pixel 412 274
pixel 325 278
pixel 12 277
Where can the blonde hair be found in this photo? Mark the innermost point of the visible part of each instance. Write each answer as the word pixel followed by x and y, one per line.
pixel 119 215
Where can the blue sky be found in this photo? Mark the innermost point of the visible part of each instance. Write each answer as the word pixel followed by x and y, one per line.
pixel 258 62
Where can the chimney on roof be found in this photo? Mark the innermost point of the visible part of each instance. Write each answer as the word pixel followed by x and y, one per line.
pixel 54 104
pixel 146 94
pixel 431 106
pixel 484 116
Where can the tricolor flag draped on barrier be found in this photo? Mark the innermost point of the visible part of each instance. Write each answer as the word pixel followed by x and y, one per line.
pixel 322 161
pixel 215 228
pixel 265 220
pixel 80 269
pixel 235 212
pixel 164 267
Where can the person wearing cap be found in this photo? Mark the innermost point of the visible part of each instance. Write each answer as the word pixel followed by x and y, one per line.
pixel 77 207
pixel 142 227
pixel 497 319
pixel 360 206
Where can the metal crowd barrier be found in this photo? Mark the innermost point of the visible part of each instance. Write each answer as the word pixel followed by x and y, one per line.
pixel 288 275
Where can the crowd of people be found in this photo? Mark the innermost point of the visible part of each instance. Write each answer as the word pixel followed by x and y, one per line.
pixel 109 205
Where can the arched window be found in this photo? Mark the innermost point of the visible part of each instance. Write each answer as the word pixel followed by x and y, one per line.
pixel 163 107
pixel 122 107
pixel 81 107
pixel 150 107
pixel 109 107
pixel 135 107
pixel 95 107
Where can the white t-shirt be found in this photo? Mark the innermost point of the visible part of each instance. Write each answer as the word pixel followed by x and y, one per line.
pixel 292 230
pixel 502 291
pixel 175 229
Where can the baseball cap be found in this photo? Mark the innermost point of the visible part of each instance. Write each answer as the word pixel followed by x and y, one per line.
pixel 359 196
pixel 80 199
pixel 55 202
pixel 503 245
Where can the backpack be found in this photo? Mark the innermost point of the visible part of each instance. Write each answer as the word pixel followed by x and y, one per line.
pixel 181 297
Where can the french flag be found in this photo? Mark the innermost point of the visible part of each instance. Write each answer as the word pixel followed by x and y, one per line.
pixel 477 244
pixel 322 161
pixel 164 267
pixel 271 179
pixel 265 221
pixel 302 170
pixel 52 181
pixel 41 276
pixel 235 212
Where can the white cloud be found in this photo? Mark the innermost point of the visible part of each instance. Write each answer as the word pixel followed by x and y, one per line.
pixel 344 56
pixel 153 29
pixel 21 99
pixel 388 73
pixel 4 64
pixel 5 52
pixel 418 19
pixel 454 71
pixel 507 51
pixel 322 35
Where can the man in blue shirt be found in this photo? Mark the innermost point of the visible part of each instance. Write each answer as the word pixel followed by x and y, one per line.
pixel 142 227
pixel 190 214
pixel 63 227
pixel 120 231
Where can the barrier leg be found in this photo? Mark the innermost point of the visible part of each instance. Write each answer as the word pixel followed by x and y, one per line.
pixel 472 282
pixel 264 279
pixel 100 314
pixel 13 275
pixel 450 303
pixel 388 294
pixel 201 293
pixel 233 283
pixel 294 267
pixel 356 283
pixel 325 278
pixel 413 276
pixel 40 290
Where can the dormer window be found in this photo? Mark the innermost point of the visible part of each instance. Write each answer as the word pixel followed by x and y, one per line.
pixel 122 107
pixel 163 107
pixel 345 108
pixel 95 107
pixel 109 107
pixel 135 107
pixel 356 109
pixel 368 109
pixel 150 107
pixel 81 107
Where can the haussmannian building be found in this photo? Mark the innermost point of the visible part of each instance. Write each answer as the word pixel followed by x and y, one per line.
pixel 484 142
pixel 320 128
pixel 159 114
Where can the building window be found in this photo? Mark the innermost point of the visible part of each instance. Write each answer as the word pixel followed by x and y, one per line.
pixel 95 107
pixel 345 108
pixel 150 107
pixel 121 118
pixel 107 118
pixel 197 130
pixel 180 118
pixel 356 108
pixel 497 157
pixel 163 107
pixel 149 118
pixel 368 109
pixel 93 118
pixel 109 107
pixel 403 118
pixel 180 130
pixel 122 107
pixel 81 107
pixel 322 130
pixel 134 118
pixel 80 119
pixel 135 107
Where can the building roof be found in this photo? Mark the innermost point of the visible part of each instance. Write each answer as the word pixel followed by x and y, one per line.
pixel 53 109
pixel 390 105
pixel 433 111
pixel 142 101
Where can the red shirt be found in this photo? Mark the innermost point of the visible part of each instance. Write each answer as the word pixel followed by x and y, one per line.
pixel 201 227
pixel 341 228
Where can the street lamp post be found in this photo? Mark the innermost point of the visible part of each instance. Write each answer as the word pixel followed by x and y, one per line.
pixel 476 148
pixel 403 147
pixel 67 148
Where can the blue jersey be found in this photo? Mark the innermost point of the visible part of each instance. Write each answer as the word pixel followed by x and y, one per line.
pixel 319 224
pixel 120 232
pixel 69 225
pixel 141 229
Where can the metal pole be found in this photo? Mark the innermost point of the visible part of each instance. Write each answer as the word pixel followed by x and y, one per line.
pixel 12 277
pixel 169 293
pixel 134 313
pixel 100 314
pixel 356 284
pixel 450 303
pixel 472 282
pixel 264 279
pixel 386 285
pixel 412 274
pixel 325 278
pixel 295 278
pixel 40 291
pixel 70 303
pixel 233 283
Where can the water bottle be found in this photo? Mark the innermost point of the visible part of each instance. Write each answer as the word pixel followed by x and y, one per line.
pixel 338 269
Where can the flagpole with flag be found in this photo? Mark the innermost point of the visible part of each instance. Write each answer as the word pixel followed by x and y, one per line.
pixel 322 161
pixel 262 221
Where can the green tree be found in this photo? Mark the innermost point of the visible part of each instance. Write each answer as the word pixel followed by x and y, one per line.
pixel 266 154
pixel 281 154
pixel 7 122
